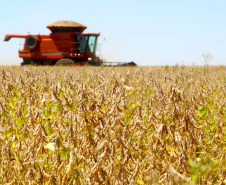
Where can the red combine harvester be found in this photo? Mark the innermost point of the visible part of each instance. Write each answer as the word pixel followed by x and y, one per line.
pixel 67 45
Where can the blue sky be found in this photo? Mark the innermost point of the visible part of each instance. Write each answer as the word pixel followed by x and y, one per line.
pixel 147 32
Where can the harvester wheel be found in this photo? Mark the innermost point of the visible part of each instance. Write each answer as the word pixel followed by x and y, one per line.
pixel 64 62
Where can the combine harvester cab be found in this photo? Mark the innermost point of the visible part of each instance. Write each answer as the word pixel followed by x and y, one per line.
pixel 67 45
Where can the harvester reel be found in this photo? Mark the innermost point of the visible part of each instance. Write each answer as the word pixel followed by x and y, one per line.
pixel 32 42
pixel 64 62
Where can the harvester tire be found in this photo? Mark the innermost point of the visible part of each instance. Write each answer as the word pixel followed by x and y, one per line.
pixel 31 42
pixel 64 62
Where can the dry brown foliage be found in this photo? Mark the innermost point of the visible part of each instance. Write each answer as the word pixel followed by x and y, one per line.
pixel 84 125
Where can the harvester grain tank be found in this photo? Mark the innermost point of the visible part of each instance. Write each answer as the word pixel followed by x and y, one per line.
pixel 66 45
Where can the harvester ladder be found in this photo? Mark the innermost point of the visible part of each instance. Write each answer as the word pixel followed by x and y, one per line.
pixel 21 45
